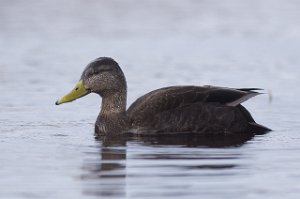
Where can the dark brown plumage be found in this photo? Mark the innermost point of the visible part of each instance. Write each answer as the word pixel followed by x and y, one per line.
pixel 192 109
pixel 171 110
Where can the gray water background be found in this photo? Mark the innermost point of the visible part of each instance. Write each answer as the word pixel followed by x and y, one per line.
pixel 49 151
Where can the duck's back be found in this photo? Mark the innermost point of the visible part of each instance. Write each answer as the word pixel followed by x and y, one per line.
pixel 193 109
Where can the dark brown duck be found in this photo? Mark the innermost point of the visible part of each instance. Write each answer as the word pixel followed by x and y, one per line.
pixel 171 110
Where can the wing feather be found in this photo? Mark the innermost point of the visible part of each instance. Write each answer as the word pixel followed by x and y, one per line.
pixel 192 109
pixel 176 96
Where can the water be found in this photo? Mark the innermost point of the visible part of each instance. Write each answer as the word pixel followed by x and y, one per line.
pixel 49 151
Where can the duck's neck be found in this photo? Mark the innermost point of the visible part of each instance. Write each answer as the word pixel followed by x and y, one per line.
pixel 112 117
pixel 113 104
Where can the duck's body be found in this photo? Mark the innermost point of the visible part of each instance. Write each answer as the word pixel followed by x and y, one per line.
pixel 170 110
pixel 193 109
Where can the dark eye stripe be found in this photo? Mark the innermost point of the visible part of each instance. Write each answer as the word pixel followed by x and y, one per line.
pixel 95 72
pixel 99 66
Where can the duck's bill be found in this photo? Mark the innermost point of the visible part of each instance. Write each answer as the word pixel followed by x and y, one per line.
pixel 78 92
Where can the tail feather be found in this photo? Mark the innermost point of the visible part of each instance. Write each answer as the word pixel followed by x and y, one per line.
pixel 250 89
pixel 258 129
pixel 246 113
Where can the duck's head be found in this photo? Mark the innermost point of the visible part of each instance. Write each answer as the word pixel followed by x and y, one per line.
pixel 102 76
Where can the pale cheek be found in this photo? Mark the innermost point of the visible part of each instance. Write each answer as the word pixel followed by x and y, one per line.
pixel 94 83
pixel 87 84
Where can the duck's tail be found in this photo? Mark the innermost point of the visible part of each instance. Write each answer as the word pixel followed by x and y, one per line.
pixel 253 126
pixel 258 129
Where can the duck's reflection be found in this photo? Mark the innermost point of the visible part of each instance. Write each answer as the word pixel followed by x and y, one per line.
pixel 190 140
pixel 106 175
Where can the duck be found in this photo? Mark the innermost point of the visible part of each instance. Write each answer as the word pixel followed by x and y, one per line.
pixel 174 110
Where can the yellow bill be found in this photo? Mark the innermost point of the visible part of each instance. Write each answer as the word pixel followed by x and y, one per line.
pixel 78 92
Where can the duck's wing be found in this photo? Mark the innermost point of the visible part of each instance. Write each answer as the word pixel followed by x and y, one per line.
pixel 173 97
pixel 191 108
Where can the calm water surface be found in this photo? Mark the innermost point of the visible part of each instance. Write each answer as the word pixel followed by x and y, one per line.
pixel 50 152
